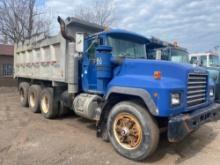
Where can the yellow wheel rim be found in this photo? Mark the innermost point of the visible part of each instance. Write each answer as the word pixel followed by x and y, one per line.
pixel 32 100
pixel 45 104
pixel 127 131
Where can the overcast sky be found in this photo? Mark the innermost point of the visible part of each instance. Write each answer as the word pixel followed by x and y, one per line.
pixel 194 24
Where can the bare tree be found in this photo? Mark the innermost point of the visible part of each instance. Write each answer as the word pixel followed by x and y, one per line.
pixel 101 12
pixel 21 19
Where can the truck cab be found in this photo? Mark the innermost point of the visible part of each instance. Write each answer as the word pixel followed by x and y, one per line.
pixel 105 76
pixel 124 45
pixel 114 66
pixel 210 61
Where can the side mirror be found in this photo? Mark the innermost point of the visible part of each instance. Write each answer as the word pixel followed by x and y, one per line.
pixel 79 42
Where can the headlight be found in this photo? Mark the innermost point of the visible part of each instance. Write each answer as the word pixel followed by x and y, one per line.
pixel 175 99
pixel 211 92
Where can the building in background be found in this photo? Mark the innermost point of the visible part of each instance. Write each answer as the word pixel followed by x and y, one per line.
pixel 6 65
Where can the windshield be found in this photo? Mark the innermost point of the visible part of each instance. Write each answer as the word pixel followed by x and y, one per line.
pixel 126 48
pixel 213 60
pixel 203 61
pixel 164 54
pixel 179 56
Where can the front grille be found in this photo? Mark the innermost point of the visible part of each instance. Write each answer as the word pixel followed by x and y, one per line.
pixel 196 92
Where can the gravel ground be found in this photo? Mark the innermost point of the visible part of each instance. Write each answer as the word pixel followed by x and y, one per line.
pixel 29 139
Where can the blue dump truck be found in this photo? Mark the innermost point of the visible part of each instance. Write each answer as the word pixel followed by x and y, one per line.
pixel 103 75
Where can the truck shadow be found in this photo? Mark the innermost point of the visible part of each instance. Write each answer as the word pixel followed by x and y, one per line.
pixel 185 149
pixel 88 123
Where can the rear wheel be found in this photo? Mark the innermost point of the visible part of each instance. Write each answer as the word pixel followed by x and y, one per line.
pixel 34 98
pixel 132 131
pixel 48 106
pixel 23 93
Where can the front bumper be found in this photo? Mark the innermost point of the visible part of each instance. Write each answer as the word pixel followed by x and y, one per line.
pixel 180 126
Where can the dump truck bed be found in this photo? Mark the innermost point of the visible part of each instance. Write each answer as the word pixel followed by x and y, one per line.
pixel 43 59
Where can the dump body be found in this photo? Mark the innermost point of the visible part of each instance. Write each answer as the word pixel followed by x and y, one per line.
pixel 47 58
pixel 53 59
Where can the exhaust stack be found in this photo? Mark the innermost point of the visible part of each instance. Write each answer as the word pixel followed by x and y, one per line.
pixel 63 30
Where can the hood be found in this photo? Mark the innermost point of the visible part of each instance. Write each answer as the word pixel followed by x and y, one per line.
pixel 139 73
pixel 167 68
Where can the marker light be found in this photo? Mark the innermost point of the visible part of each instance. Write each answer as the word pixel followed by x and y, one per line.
pixel 157 75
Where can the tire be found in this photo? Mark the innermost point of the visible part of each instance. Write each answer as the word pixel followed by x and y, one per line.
pixel 48 106
pixel 23 93
pixel 141 123
pixel 34 98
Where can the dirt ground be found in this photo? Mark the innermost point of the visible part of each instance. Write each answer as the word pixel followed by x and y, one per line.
pixel 29 139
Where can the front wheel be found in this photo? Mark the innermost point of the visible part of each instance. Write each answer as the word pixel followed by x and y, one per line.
pixel 132 131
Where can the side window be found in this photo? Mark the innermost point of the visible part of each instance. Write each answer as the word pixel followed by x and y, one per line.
pixel 203 60
pixel 193 60
pixel 165 54
pixel 151 54
pixel 92 47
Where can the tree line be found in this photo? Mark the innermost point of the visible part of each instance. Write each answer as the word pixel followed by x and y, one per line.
pixel 23 19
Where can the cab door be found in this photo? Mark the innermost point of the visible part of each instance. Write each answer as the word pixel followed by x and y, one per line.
pixel 89 80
